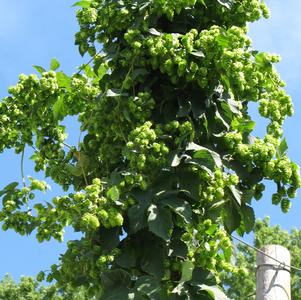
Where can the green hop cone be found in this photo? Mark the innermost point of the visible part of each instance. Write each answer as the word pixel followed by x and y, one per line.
pixel 41 276
pixel 285 205
pixel 291 192
pixel 276 199
pixel 90 221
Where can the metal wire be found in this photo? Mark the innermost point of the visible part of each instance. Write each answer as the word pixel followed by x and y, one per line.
pixel 263 253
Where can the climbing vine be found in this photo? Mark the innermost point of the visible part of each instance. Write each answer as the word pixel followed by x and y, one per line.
pixel 166 165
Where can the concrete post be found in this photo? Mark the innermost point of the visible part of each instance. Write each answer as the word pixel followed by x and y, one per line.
pixel 272 278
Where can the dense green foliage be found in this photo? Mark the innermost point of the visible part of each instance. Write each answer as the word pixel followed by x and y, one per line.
pixel 243 284
pixel 166 164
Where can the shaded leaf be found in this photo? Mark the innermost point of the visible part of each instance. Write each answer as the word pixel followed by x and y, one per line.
pixel 139 72
pixel 152 256
pixel 74 170
pixel 231 217
pixel 189 182
pixel 177 248
pixel 248 218
pixel 201 276
pixel 137 214
pixel 184 108
pixel 160 221
pixel 119 292
pixel 206 154
pixel 109 238
pixel 180 207
pixel 114 278
pixel 149 286
pixel 127 257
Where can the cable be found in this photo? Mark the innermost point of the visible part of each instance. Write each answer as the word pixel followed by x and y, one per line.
pixel 267 255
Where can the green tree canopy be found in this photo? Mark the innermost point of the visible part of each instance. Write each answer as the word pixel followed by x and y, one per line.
pixel 29 289
pixel 166 165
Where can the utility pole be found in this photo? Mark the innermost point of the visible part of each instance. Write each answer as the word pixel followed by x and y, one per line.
pixel 273 278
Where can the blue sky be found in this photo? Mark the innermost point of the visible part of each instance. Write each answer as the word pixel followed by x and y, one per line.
pixel 32 32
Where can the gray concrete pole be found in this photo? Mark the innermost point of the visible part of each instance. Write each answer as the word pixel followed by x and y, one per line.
pixel 272 278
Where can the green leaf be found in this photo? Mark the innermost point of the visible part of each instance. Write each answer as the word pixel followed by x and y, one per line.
pixel 198 54
pixel 226 3
pixel 89 71
pixel 101 71
pixel 114 93
pixel 175 159
pixel 63 81
pixel 180 207
pixel 222 118
pixel 225 78
pixel 282 148
pixel 245 126
pixel 54 64
pixel 262 62
pixel 237 194
pixel 40 69
pixel 113 193
pixel 210 158
pixel 187 269
pixel 154 31
pixel 83 4
pixel 59 108
pixel 9 188
pixel 214 291
pixel 160 221
pixel 74 170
